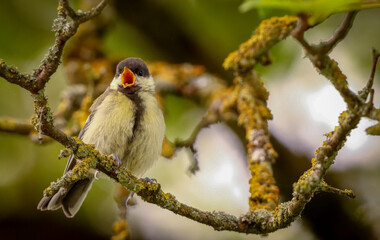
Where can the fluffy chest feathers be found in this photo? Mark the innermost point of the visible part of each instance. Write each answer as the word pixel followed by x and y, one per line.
pixel 131 128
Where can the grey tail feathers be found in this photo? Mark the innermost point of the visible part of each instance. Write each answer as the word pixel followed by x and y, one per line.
pixel 70 200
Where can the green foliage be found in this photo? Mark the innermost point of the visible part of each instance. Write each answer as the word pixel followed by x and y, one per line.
pixel 318 10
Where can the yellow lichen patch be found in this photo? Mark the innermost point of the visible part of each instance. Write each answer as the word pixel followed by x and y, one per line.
pixel 167 196
pixel 228 97
pixel 81 170
pixel 263 189
pixel 349 193
pixel 254 51
pixel 253 112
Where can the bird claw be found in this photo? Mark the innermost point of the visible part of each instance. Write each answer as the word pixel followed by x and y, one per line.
pixel 128 198
pixel 114 156
pixel 149 180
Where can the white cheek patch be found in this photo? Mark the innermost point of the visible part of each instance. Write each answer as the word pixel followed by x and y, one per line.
pixel 115 83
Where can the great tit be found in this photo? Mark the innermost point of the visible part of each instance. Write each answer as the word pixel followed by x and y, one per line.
pixel 125 122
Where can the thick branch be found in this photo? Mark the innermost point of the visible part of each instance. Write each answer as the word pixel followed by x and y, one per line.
pixel 251 105
pixel 258 221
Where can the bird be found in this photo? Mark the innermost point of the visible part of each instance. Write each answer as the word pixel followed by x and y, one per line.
pixel 125 122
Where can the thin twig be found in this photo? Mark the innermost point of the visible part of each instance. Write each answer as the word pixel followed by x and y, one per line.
pixel 65 5
pixel 340 33
pixel 346 192
pixel 85 16
pixel 330 69
pixel 367 89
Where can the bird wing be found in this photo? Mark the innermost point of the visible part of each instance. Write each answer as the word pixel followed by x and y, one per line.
pixel 71 162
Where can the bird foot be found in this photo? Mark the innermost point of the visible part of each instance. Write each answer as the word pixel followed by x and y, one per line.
pixel 114 156
pixel 128 198
pixel 149 180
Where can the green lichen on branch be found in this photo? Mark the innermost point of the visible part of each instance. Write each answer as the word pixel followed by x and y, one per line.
pixel 330 69
pixel 312 180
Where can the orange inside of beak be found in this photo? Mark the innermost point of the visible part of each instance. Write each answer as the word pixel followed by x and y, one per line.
pixel 127 78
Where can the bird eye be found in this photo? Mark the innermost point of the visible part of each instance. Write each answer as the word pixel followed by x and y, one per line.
pixel 140 73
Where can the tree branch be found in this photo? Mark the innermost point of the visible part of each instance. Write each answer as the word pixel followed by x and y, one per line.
pixel 259 221
pixel 36 82
pixel 318 55
pixel 341 32
pixel 11 125
pixel 12 75
pixel 64 30
pixel 251 104
pixel 246 99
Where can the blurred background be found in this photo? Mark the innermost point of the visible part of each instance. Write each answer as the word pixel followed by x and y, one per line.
pixel 305 106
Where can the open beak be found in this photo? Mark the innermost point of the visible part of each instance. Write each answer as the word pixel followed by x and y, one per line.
pixel 127 78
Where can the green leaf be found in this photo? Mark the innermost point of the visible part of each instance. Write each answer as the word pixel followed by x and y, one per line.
pixel 317 9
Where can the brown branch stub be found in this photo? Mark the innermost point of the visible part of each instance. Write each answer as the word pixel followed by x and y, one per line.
pixel 13 75
pixel 346 192
pixel 255 50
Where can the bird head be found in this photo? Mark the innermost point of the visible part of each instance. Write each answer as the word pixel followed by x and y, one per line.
pixel 132 74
